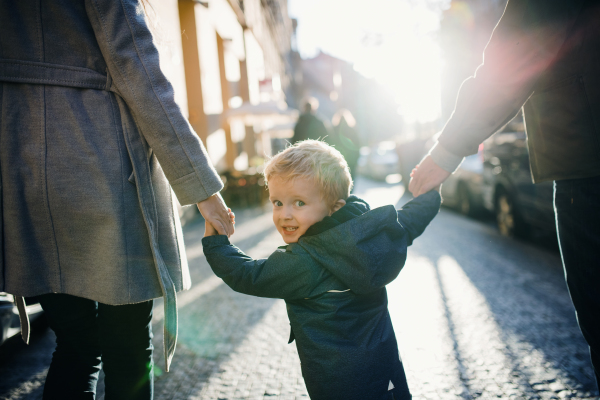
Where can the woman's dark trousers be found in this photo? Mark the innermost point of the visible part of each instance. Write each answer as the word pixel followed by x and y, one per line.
pixel 91 335
pixel 577 207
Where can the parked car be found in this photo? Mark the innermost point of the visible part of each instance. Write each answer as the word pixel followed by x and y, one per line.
pixel 379 161
pixel 463 189
pixel 9 316
pixel 508 190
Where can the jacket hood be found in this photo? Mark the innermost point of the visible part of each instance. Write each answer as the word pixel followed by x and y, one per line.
pixel 365 249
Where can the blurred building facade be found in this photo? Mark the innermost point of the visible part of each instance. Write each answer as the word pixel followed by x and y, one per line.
pixel 230 64
pixel 222 56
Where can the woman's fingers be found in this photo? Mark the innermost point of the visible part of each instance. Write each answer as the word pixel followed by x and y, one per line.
pixel 216 213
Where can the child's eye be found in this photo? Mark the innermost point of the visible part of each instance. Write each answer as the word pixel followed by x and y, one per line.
pixel 300 203
pixel 277 203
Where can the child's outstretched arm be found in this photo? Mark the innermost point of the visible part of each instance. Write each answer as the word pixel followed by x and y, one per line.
pixel 285 274
pixel 415 215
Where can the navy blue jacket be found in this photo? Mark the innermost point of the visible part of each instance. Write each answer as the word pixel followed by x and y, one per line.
pixel 333 281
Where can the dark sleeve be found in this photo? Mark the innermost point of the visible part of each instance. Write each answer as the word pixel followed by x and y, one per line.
pixel 133 63
pixel 284 275
pixel 415 215
pixel 526 40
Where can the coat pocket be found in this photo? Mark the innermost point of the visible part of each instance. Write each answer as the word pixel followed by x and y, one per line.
pixel 562 136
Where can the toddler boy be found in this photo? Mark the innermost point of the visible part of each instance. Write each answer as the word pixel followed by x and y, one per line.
pixel 332 272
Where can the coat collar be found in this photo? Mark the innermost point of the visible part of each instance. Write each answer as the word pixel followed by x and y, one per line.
pixel 354 207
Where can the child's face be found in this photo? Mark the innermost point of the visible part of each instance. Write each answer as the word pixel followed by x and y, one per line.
pixel 297 205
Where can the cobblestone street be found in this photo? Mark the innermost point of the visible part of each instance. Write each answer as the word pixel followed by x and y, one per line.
pixel 477 316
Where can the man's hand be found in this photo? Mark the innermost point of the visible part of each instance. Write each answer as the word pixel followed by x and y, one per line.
pixel 426 176
pixel 216 213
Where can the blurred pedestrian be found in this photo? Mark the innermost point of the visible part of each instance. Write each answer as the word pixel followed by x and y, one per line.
pixel 345 139
pixel 309 126
pixel 544 56
pixel 92 146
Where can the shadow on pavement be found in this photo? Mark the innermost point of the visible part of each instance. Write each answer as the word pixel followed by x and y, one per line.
pixel 524 289
pixel 35 359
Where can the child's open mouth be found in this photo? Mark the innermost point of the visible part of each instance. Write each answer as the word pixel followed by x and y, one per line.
pixel 290 228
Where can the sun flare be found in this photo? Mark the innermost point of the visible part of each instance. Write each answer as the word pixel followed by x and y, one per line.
pixel 393 42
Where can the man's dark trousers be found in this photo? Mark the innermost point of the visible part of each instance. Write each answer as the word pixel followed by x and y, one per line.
pixel 577 208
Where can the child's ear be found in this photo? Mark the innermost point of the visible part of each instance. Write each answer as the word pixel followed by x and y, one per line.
pixel 338 204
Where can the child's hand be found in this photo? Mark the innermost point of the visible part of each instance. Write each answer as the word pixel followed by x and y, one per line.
pixel 209 230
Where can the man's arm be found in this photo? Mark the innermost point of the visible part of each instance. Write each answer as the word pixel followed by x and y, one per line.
pixel 284 275
pixel 525 42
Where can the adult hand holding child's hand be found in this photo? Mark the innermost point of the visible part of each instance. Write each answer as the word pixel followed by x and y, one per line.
pixel 426 176
pixel 210 230
pixel 217 215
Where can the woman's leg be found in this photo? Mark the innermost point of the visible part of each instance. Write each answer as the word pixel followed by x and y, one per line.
pixel 73 373
pixel 126 341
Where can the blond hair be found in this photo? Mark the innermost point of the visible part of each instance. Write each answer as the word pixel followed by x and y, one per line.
pixel 317 160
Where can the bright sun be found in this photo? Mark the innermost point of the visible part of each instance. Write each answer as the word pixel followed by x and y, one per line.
pixel 391 41
pixel 412 74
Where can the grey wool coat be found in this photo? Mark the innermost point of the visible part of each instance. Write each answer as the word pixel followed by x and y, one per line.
pixel 91 144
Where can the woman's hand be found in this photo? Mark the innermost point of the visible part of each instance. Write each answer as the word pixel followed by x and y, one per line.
pixel 216 214
pixel 209 230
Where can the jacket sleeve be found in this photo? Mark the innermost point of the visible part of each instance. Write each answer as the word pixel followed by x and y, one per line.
pixel 415 215
pixel 526 40
pixel 133 64
pixel 284 275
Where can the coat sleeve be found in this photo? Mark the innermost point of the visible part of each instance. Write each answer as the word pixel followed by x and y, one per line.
pixel 284 275
pixel 415 215
pixel 526 40
pixel 133 64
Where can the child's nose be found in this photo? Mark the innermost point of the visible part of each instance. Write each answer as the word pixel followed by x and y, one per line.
pixel 287 213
